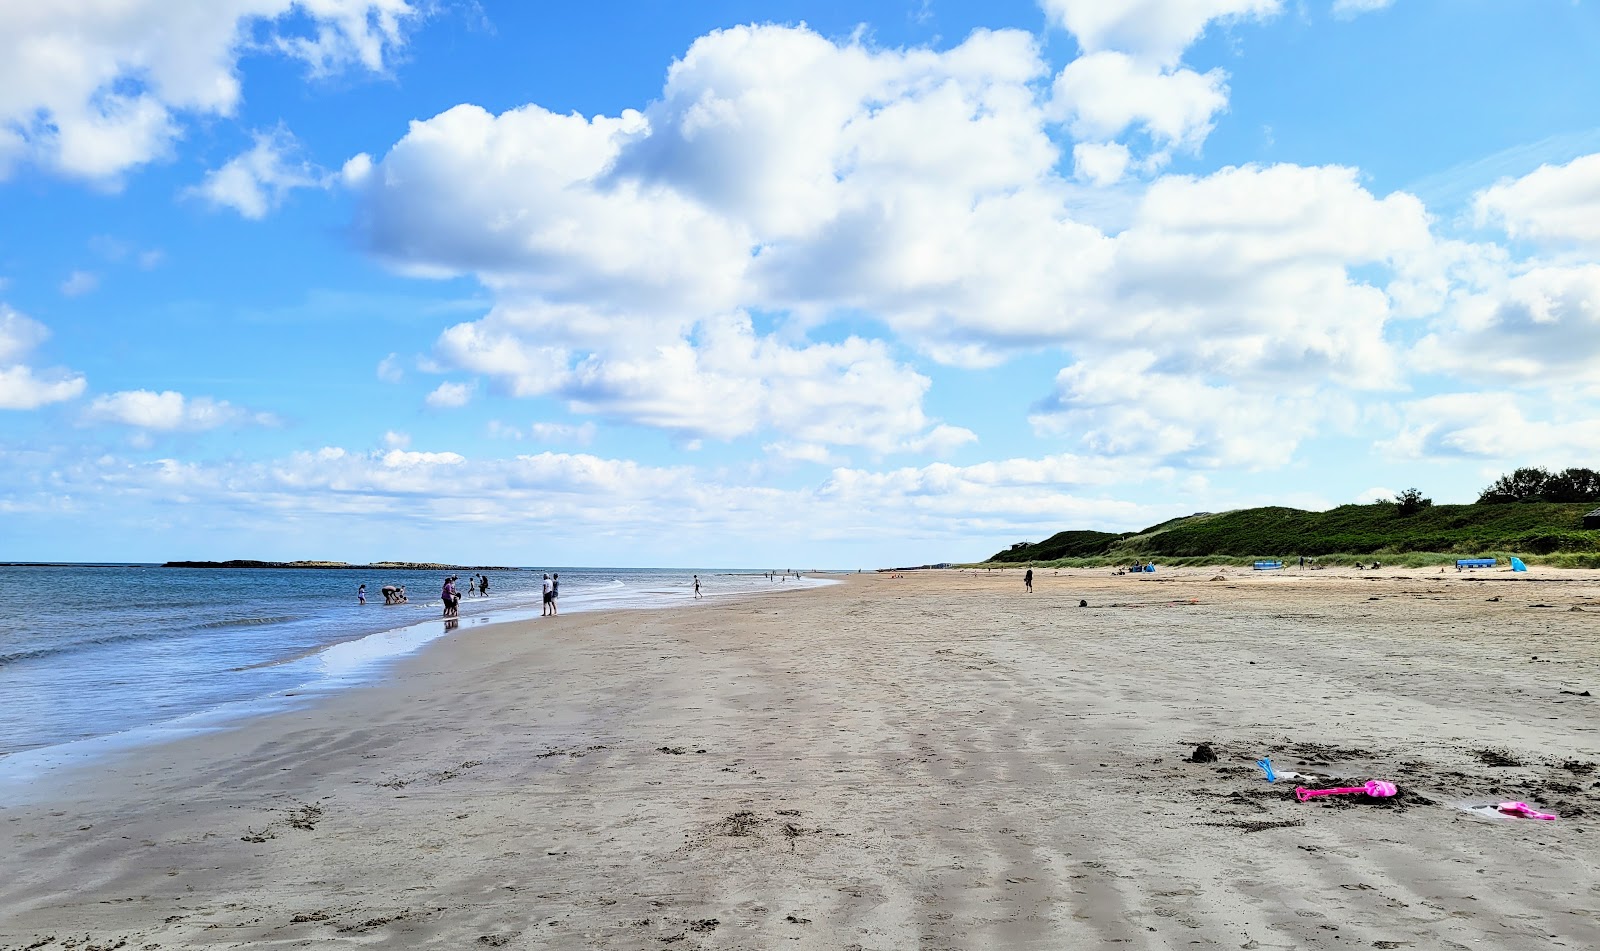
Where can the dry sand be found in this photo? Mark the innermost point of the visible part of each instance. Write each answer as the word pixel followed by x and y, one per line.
pixel 934 761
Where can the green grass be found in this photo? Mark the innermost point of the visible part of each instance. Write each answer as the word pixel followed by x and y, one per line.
pixel 1544 533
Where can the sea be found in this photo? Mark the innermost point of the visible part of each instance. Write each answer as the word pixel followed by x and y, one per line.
pixel 100 656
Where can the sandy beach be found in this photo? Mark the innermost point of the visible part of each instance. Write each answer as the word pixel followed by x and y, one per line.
pixel 932 761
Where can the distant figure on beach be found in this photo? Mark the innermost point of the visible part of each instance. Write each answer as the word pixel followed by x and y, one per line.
pixel 389 591
pixel 555 593
pixel 1027 581
pixel 549 597
pixel 697 586
pixel 361 594
pixel 483 586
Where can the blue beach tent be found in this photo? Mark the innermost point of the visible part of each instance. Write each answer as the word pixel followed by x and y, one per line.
pixel 1517 565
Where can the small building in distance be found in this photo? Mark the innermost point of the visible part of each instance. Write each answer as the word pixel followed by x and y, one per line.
pixel 1592 520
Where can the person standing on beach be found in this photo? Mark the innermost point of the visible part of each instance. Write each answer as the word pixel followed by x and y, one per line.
pixel 555 594
pixel 1027 581
pixel 697 587
pixel 448 596
pixel 549 597
pixel 361 594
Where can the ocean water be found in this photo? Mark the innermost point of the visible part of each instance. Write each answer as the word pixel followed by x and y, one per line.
pixel 93 652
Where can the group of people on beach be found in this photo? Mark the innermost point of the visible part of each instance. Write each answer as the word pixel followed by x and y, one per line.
pixel 552 590
pixel 451 595
pixel 392 594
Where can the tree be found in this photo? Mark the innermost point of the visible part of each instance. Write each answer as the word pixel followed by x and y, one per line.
pixel 1531 484
pixel 1524 485
pixel 1573 485
pixel 1411 501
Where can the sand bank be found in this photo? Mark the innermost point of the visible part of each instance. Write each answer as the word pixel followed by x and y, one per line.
pixel 935 761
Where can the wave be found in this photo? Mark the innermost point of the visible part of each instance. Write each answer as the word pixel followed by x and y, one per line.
pixel 151 634
pixel 245 622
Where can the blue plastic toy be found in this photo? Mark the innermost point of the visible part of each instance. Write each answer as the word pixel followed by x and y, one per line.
pixel 1266 764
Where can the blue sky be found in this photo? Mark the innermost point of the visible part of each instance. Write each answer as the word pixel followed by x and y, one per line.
pixel 778 284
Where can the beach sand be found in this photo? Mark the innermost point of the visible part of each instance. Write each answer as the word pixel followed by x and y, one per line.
pixel 933 761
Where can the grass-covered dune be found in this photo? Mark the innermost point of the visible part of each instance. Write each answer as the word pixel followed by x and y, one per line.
pixel 1529 529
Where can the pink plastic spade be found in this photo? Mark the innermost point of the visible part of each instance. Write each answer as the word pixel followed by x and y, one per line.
pixel 1524 810
pixel 1374 787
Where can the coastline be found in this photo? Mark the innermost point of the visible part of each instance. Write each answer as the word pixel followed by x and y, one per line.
pixel 179 642
pixel 936 759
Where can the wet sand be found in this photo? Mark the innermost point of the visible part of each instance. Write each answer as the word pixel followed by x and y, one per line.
pixel 934 761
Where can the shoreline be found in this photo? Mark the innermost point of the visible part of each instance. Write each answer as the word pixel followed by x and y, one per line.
pixel 936 759
pixel 352 662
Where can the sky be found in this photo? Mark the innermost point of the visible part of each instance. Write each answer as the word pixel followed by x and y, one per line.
pixel 780 284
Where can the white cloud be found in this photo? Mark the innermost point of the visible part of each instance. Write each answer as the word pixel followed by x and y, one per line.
pixel 1248 272
pixel 21 387
pixel 651 507
pixel 389 370
pixel 1375 494
pixel 1102 95
pixel 18 335
pixel 718 378
pixel 256 182
pixel 395 440
pixel 1100 163
pixel 1125 407
pixel 1348 9
pixel 1538 327
pixel 403 459
pixel 79 283
pixel 770 149
pixel 1490 425
pixel 1159 30
pixel 171 411
pixel 91 90
pixel 451 395
pixel 582 434
pixel 920 188
pixel 1552 203
pixel 355 170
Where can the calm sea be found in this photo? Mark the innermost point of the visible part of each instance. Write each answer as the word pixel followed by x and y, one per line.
pixel 92 652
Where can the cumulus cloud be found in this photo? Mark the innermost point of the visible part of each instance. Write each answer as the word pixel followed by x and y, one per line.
pixel 21 386
pixel 718 378
pixel 1159 30
pixel 777 168
pixel 1100 163
pixel 171 411
pixel 451 395
pixel 1491 425
pixel 1124 406
pixel 91 90
pixel 1554 203
pixel 1103 95
pixel 1541 326
pixel 788 176
pixel 256 182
